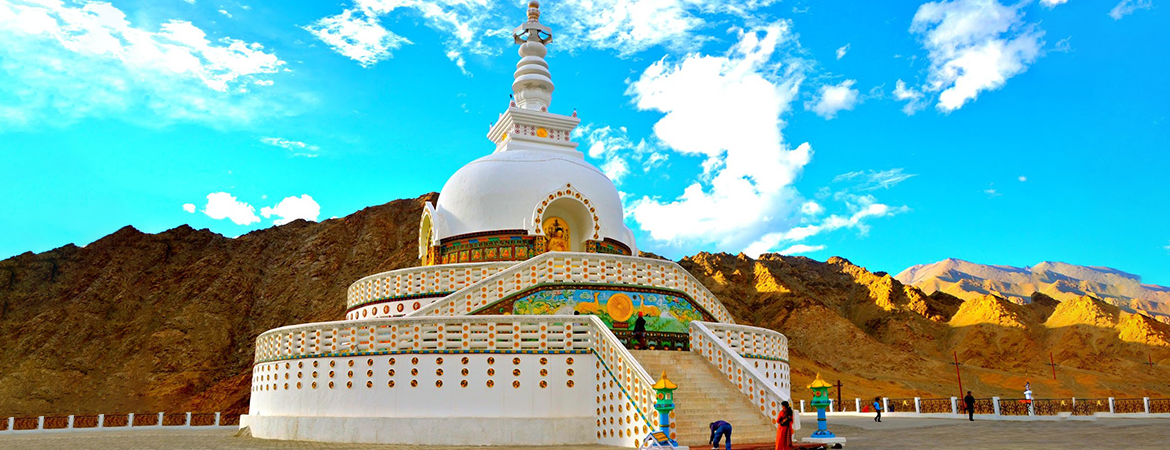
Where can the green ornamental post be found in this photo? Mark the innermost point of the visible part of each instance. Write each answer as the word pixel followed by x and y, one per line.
pixel 664 404
pixel 821 401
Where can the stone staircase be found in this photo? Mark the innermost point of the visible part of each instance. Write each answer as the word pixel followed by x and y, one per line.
pixel 704 395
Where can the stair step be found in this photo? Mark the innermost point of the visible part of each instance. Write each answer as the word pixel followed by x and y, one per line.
pixel 704 396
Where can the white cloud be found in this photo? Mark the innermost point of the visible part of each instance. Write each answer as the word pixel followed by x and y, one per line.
pixel 1023 178
pixel 912 97
pixel 615 169
pixel 298 148
pixel 629 26
pixel 224 12
pixel 834 98
pixel 991 192
pixel 811 208
pixel 357 33
pixel 474 26
pixel 293 208
pixel 62 62
pixel 1127 7
pixel 973 46
pixel 841 51
pixel 1053 3
pixel 357 36
pixel 863 207
pixel 801 248
pixel 869 180
pixel 189 207
pixel 728 110
pixel 1167 247
pixel 616 150
pixel 222 205
pixel 632 26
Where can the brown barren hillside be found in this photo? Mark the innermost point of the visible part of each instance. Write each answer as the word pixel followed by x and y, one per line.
pixel 140 322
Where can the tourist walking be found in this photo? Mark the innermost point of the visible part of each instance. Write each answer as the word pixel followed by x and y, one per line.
pixel 719 429
pixel 784 429
pixel 640 332
pixel 877 406
pixel 1028 395
pixel 969 400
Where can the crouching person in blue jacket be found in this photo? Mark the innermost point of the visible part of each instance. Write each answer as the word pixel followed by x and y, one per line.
pixel 719 429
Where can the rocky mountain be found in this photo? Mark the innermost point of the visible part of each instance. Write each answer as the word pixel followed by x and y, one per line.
pixel 882 337
pixel 1057 280
pixel 138 322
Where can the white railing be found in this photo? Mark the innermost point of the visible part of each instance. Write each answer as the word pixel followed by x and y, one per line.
pixel 422 280
pixel 482 333
pixel 565 267
pixel 632 382
pixel 763 393
pixel 752 342
pixel 765 350
pixel 102 422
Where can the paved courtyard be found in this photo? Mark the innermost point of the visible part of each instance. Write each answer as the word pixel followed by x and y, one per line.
pixel 863 433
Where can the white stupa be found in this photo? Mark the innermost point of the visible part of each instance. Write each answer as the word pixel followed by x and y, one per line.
pixel 514 328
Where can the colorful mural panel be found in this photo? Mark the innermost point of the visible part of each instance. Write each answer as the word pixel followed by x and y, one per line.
pixel 618 308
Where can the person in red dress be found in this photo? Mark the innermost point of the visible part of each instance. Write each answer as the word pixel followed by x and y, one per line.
pixel 784 430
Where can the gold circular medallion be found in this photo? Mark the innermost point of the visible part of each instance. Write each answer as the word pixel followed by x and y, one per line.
pixel 620 307
pixel 541 132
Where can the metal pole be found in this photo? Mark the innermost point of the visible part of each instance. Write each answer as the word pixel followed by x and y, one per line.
pixel 839 393
pixel 1052 363
pixel 957 374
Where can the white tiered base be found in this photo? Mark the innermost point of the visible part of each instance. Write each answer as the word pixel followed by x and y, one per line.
pixel 425 431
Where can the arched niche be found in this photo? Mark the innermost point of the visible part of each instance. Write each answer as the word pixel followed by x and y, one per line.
pixel 573 215
pixel 426 232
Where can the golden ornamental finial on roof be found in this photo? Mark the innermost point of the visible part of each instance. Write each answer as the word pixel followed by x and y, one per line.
pixel 663 383
pixel 534 11
pixel 819 383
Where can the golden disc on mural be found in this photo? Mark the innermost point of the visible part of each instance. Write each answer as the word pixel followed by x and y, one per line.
pixel 620 307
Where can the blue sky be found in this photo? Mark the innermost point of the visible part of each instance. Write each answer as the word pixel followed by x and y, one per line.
pixel 891 133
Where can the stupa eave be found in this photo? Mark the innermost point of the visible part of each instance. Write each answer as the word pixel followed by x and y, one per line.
pixel 526 117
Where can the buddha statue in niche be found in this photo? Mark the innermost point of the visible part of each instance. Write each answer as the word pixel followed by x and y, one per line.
pixel 557 231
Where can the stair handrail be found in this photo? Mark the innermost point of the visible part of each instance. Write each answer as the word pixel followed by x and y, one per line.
pixel 508 281
pixel 749 341
pixel 617 360
pixel 369 284
pixel 761 392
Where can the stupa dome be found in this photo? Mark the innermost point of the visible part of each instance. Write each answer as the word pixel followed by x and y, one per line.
pixel 520 189
pixel 535 193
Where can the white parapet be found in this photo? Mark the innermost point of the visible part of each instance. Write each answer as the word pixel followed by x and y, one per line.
pixel 570 267
pixel 754 359
pixel 470 380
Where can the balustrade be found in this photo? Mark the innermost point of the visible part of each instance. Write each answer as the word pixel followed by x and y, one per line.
pixel 419 282
pixel 1013 407
pixel 85 421
pixel 935 405
pixel 1129 406
pixel 563 267
pixel 764 393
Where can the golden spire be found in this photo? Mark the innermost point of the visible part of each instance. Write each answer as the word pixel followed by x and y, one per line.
pixel 663 383
pixel 819 383
pixel 534 11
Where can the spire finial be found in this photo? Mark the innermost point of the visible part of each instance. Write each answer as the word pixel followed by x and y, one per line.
pixel 533 85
